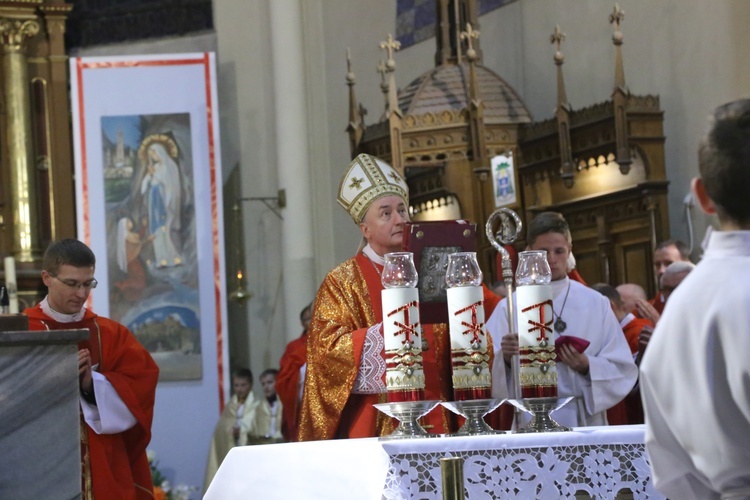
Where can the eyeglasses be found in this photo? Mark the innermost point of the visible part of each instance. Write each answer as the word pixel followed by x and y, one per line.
pixel 74 284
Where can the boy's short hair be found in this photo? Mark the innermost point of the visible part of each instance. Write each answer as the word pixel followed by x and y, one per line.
pixel 724 160
pixel 547 222
pixel 69 252
pixel 610 292
pixel 269 371
pixel 243 373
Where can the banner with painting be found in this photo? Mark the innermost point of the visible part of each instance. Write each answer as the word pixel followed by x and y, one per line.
pixel 148 183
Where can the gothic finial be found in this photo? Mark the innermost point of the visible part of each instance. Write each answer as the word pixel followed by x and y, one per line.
pixel 390 46
pixel 350 77
pixel 557 38
pixel 616 18
pixel 470 35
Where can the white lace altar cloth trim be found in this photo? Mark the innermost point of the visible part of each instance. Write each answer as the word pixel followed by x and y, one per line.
pixel 371 375
pixel 551 472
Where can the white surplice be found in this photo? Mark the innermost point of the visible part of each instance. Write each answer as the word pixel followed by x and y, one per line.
pixel 695 378
pixel 612 372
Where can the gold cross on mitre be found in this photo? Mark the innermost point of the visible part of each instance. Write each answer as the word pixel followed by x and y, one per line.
pixel 356 183
pixel 396 178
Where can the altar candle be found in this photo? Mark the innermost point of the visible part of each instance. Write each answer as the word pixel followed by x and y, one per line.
pixel 402 333
pixel 10 284
pixel 468 335
pixel 538 373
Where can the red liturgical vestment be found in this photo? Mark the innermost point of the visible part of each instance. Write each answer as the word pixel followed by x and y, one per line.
pixel 114 465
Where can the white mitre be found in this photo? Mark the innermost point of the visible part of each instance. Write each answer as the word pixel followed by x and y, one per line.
pixel 367 179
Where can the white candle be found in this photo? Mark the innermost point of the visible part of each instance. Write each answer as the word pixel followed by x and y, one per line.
pixel 10 284
pixel 468 336
pixel 466 317
pixel 536 339
pixel 401 328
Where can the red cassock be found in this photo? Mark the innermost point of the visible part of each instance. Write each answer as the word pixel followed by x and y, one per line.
pixel 287 385
pixel 658 302
pixel 114 466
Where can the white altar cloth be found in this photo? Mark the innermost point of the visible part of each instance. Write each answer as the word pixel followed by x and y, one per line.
pixel 598 460
pixel 343 468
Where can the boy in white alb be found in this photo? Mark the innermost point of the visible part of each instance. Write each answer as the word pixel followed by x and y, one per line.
pixel 695 375
pixel 598 378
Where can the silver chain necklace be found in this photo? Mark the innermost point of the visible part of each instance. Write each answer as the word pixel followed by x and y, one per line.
pixel 561 325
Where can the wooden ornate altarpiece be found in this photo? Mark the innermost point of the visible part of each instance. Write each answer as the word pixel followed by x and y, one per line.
pixel 36 167
pixel 602 166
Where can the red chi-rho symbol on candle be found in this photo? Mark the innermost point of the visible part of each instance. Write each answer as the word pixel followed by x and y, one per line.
pixel 474 328
pixel 542 325
pixel 406 328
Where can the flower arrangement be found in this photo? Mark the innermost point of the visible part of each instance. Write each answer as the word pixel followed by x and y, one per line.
pixel 162 489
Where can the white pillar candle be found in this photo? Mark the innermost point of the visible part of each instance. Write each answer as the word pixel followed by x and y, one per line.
pixel 468 336
pixel 10 284
pixel 536 340
pixel 401 329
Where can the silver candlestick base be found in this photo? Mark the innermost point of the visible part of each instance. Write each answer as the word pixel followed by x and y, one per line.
pixel 539 409
pixel 407 413
pixel 474 411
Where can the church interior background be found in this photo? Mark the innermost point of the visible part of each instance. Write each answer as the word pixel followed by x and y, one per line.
pixel 602 131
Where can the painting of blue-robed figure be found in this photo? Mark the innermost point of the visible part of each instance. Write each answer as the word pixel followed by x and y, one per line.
pixel 151 237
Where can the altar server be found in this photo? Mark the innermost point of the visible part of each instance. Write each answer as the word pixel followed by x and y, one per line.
pixel 695 381
pixel 599 377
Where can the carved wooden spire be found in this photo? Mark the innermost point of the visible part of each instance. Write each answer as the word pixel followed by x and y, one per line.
pixel 567 168
pixel 480 161
pixel 620 95
pixel 615 18
pixel 390 46
pixel 384 87
pixel 393 112
pixel 356 127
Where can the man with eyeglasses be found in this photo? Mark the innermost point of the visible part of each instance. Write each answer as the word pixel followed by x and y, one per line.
pixel 117 377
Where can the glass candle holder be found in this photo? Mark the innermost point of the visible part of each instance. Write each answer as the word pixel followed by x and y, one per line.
pixel 463 270
pixel 533 268
pixel 399 270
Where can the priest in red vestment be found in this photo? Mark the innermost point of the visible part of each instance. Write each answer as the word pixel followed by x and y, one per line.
pixel 629 410
pixel 117 378
pixel 345 363
pixel 665 253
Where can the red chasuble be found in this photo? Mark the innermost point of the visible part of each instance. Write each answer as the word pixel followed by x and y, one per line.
pixel 347 304
pixel 114 465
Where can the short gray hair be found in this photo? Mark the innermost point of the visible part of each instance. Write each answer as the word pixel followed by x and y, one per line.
pixel 675 268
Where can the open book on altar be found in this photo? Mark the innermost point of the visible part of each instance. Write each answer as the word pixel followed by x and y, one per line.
pixel 431 243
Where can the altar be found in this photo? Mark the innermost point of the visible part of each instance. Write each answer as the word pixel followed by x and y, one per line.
pixel 599 462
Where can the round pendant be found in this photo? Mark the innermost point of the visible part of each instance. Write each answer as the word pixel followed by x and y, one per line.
pixel 560 325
